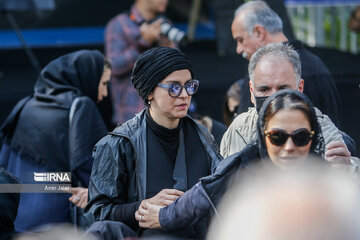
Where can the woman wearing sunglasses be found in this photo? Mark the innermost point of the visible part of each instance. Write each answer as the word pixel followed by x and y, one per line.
pixel 287 127
pixel 288 132
pixel 161 152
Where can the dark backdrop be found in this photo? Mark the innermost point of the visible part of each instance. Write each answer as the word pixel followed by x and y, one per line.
pixel 215 73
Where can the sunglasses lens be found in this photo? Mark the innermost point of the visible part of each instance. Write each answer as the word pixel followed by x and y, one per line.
pixel 175 90
pixel 191 87
pixel 278 138
pixel 301 138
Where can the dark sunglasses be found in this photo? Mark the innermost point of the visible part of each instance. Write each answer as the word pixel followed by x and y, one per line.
pixel 175 89
pixel 300 137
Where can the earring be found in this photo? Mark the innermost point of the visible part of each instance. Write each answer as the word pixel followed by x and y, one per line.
pixel 149 102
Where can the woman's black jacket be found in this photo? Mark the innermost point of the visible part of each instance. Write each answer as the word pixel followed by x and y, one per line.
pixel 202 199
pixel 119 169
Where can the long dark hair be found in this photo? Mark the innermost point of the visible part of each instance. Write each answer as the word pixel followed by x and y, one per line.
pixel 291 100
pixel 233 92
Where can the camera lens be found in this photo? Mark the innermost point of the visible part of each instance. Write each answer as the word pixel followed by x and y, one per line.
pixel 173 34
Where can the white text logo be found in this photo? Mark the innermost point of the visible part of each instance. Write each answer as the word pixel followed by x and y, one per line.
pixel 52 177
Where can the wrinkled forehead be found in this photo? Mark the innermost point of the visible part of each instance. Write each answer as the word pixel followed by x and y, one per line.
pixel 274 69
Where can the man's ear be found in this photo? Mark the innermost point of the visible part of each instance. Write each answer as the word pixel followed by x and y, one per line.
pixel 301 85
pixel 252 93
pixel 259 32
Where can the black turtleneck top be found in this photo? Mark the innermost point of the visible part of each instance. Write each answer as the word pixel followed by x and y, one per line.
pixel 162 150
pixel 168 138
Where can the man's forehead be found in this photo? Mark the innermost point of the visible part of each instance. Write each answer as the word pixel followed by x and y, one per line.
pixel 238 22
pixel 274 71
pixel 273 64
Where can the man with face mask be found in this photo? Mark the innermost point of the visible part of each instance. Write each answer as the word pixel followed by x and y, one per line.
pixel 256 25
pixel 272 68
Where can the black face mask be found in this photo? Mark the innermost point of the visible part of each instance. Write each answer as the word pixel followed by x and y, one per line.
pixel 259 102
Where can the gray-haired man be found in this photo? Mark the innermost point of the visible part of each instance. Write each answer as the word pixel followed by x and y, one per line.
pixel 256 25
pixel 274 67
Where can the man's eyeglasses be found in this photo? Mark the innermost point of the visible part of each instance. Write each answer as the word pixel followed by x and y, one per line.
pixel 175 89
pixel 300 137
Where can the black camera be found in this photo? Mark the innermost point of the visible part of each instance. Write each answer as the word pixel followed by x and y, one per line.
pixel 172 33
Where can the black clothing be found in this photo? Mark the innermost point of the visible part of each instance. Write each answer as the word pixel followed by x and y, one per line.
pixel 54 130
pixel 168 138
pixel 39 124
pixel 120 166
pixel 163 149
pixel 9 206
pixel 126 211
pixel 109 230
pixel 159 163
pixel 245 95
pixel 218 129
pixel 319 86
pixel 197 163
pixel 202 199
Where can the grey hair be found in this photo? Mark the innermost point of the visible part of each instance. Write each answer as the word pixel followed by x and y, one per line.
pixel 276 51
pixel 259 13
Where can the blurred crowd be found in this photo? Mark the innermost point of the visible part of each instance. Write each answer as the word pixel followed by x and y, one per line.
pixel 277 167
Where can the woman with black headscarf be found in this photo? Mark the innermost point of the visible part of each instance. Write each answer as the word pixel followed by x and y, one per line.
pixel 288 134
pixel 54 130
pixel 158 154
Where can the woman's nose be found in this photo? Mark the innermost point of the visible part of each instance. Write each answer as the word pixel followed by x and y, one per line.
pixel 289 144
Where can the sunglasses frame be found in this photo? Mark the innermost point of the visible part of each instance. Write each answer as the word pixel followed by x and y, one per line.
pixel 169 85
pixel 269 134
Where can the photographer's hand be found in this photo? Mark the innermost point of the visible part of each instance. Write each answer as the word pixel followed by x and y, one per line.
pixel 151 32
pixel 165 42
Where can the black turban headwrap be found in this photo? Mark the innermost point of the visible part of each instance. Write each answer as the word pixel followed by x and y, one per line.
pixel 154 65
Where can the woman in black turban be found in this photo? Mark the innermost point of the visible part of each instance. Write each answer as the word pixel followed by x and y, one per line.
pixel 54 130
pixel 158 154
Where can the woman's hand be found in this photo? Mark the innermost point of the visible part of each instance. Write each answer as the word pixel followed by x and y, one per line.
pixel 148 212
pixel 165 197
pixel 148 215
pixel 79 196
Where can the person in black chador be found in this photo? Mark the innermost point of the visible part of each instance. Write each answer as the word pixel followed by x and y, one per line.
pixel 54 130
pixel 158 154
